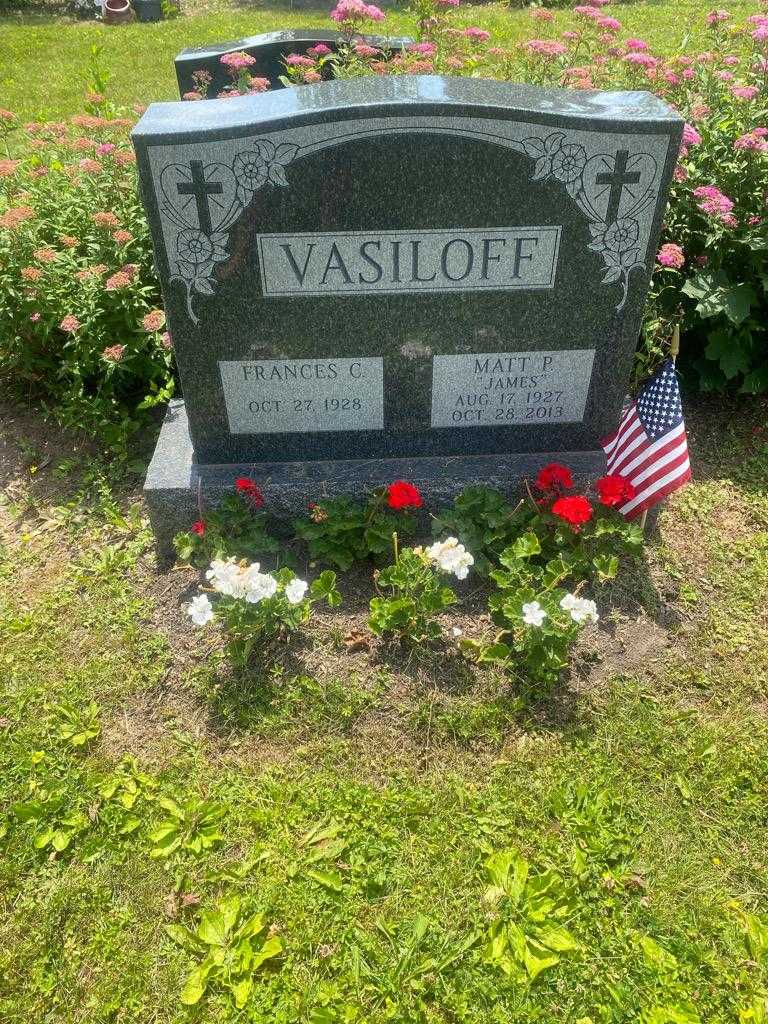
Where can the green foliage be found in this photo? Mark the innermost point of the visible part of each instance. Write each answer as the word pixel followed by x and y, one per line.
pixel 417 595
pixel 530 581
pixel 190 827
pixel 78 726
pixel 246 623
pixel 235 945
pixel 526 935
pixel 485 523
pixel 342 531
pixel 233 528
pixel 59 266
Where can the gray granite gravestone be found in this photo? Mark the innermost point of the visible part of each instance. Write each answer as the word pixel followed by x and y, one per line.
pixel 269 51
pixel 426 278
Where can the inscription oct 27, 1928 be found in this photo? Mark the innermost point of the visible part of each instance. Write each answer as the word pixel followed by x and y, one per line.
pixel 358 262
pixel 505 388
pixel 298 396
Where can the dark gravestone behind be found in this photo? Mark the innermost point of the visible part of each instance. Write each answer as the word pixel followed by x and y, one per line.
pixel 269 50
pixel 427 278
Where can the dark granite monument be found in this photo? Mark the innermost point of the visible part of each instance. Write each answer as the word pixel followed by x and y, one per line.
pixel 425 278
pixel 269 50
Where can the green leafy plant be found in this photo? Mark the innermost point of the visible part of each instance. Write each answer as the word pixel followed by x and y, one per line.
pixel 234 527
pixel 78 726
pixel 343 531
pixel 81 327
pixel 526 935
pixel 234 944
pixel 485 523
pixel 536 629
pixel 192 826
pixel 253 605
pixel 417 594
pixel 54 818
pixel 124 792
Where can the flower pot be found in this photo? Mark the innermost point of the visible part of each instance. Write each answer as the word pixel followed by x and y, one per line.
pixel 117 12
pixel 148 10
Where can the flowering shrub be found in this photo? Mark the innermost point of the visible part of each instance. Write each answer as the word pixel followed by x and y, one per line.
pixel 416 591
pixel 254 605
pixel 566 537
pixel 710 270
pixel 343 531
pixel 80 318
pixel 235 527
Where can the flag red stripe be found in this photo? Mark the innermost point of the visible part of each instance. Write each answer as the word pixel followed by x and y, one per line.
pixel 610 442
pixel 665 480
pixel 657 496
pixel 633 436
pixel 633 463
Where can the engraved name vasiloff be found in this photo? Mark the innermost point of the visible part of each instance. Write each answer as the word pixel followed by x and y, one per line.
pixel 499 389
pixel 299 396
pixel 456 259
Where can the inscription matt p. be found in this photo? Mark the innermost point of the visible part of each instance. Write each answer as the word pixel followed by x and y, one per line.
pixel 455 259
pixel 501 389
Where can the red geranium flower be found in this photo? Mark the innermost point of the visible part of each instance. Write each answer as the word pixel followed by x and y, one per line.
pixel 553 477
pixel 574 509
pixel 403 495
pixel 249 489
pixel 614 489
pixel 198 528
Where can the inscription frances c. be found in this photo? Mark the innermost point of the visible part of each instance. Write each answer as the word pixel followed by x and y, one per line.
pixel 505 388
pixel 456 259
pixel 296 396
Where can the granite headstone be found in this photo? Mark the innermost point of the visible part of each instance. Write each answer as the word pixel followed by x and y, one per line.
pixel 269 51
pixel 426 278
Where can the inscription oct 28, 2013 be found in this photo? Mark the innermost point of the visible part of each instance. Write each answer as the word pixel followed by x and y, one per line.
pixel 298 396
pixel 499 389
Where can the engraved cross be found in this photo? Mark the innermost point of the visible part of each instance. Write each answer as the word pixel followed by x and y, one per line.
pixel 617 180
pixel 201 189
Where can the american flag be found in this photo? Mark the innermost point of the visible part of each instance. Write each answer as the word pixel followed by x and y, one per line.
pixel 649 448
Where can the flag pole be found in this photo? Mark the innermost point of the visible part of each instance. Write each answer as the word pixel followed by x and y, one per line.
pixel 674 351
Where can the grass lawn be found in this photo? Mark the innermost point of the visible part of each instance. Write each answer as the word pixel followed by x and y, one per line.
pixel 140 56
pixel 355 797
pixel 361 826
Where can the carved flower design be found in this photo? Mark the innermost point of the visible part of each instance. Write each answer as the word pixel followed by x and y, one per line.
pixel 265 162
pixel 569 162
pixel 619 237
pixel 197 248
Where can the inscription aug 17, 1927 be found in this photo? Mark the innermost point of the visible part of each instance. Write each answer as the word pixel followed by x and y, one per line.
pixel 507 388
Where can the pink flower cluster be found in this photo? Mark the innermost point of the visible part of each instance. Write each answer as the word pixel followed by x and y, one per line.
pixel 715 203
pixel 353 11
pixel 671 255
pixel 756 140
pixel 546 47
pixel 237 61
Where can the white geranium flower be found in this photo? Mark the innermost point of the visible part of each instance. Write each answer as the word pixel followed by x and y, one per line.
pixel 200 610
pixel 451 557
pixel 533 614
pixel 296 590
pixel 226 577
pixel 581 608
pixel 259 587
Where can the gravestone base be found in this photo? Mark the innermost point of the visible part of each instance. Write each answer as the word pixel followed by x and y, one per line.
pixel 178 490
